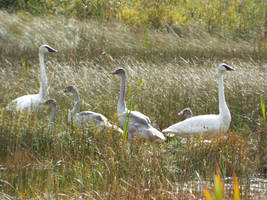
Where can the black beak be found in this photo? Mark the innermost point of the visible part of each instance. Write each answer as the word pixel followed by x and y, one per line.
pixel 229 68
pixel 51 49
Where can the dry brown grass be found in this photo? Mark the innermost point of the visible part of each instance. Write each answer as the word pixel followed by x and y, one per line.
pixel 179 72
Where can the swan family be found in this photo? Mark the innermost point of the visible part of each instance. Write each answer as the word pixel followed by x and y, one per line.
pixel 134 122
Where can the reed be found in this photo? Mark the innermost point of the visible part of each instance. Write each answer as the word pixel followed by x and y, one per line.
pixel 170 73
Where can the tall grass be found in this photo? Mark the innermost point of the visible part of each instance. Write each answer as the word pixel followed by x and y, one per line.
pixel 71 163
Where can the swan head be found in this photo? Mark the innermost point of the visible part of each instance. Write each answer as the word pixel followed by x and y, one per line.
pixel 70 88
pixel 46 48
pixel 224 67
pixel 119 71
pixel 187 113
pixel 51 102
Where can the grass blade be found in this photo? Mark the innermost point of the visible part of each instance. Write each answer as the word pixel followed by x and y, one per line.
pixel 218 187
pixel 263 109
pixel 236 188
pixel 207 194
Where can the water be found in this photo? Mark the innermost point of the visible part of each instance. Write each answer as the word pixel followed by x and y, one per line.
pixel 254 188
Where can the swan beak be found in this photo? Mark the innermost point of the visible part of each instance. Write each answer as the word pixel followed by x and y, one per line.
pixel 65 90
pixel 181 113
pixel 229 68
pixel 114 72
pixel 52 50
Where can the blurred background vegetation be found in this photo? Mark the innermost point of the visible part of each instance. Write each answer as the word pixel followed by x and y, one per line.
pixel 235 16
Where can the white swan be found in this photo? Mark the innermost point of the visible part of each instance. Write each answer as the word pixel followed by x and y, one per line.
pixel 85 117
pixel 137 121
pixel 208 124
pixel 53 104
pixel 32 101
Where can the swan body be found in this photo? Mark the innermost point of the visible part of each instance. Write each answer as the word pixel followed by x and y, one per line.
pixel 199 124
pixel 137 122
pixel 84 117
pixel 187 113
pixel 33 101
pixel 95 118
pixel 26 102
pixel 207 124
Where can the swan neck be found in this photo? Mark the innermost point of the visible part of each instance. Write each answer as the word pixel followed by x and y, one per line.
pixel 121 107
pixel 222 103
pixel 43 78
pixel 76 106
pixel 53 114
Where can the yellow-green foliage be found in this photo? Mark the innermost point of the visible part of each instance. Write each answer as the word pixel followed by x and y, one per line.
pixel 219 189
pixel 233 15
pixel 151 13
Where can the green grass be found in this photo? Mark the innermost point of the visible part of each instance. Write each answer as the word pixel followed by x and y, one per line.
pixel 178 72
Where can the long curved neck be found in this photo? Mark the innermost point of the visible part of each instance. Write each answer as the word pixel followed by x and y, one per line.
pixel 76 106
pixel 223 109
pixel 121 107
pixel 53 114
pixel 43 78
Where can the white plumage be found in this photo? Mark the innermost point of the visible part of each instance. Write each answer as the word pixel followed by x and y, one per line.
pixel 31 102
pixel 137 122
pixel 207 124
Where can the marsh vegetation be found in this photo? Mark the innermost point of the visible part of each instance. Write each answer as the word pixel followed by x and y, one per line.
pixel 178 71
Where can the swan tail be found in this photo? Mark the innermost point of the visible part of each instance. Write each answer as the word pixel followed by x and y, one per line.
pixel 112 126
pixel 170 131
pixel 157 134
pixel 170 135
